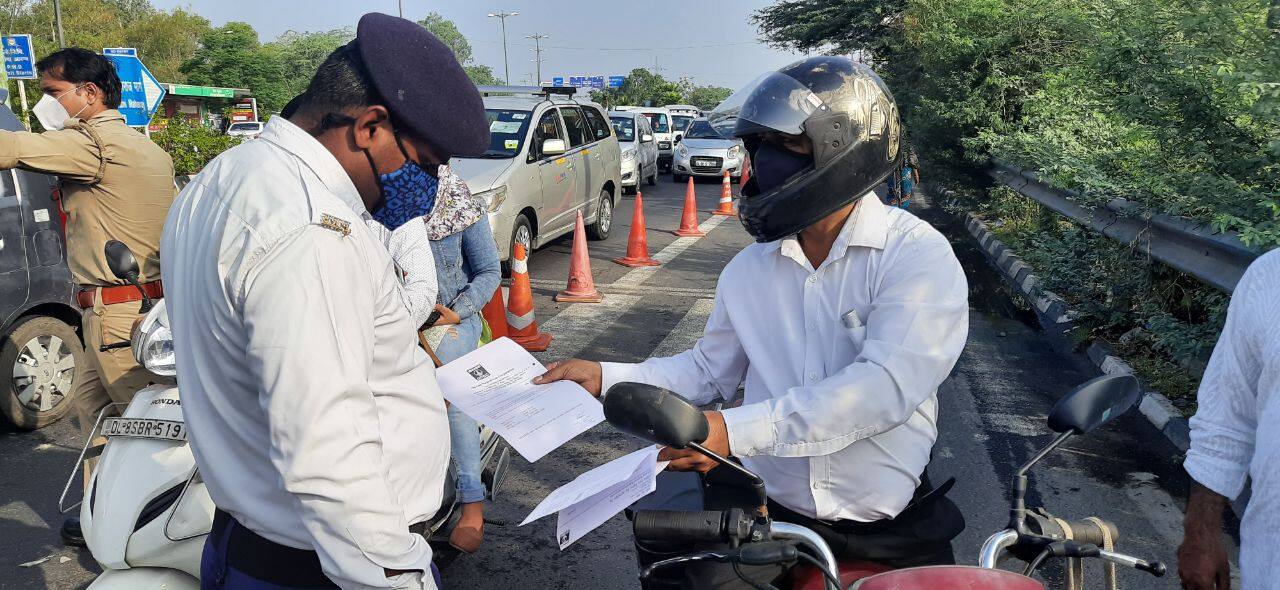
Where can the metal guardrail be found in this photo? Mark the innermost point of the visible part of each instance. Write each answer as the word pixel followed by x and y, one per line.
pixel 1217 259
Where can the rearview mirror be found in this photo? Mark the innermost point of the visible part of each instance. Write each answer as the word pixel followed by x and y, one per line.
pixel 646 138
pixel 1094 403
pixel 120 260
pixel 553 147
pixel 654 414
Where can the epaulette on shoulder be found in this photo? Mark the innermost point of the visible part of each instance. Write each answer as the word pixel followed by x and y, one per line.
pixel 335 224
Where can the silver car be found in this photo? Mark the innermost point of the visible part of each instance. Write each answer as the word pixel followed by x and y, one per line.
pixel 549 158
pixel 639 148
pixel 703 152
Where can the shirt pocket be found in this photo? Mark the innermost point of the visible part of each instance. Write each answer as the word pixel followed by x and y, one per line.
pixel 853 327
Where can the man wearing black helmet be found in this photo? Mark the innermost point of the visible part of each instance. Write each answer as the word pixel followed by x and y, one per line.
pixel 842 321
pixel 315 419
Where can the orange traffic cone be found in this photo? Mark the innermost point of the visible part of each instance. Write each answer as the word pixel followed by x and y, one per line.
pixel 581 287
pixel 726 197
pixel 521 326
pixel 689 219
pixel 746 173
pixel 495 314
pixel 638 241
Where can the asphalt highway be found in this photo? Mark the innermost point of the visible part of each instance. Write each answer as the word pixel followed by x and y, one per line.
pixel 992 419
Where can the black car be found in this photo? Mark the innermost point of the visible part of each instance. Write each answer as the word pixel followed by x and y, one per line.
pixel 40 342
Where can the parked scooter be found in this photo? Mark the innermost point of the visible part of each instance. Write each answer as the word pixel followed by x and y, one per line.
pixel 146 512
pixel 753 538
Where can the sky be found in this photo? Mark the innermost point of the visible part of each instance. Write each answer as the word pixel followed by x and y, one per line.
pixel 711 41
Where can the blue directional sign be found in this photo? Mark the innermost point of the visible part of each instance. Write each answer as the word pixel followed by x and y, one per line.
pixel 595 82
pixel 19 59
pixel 617 81
pixel 578 81
pixel 557 81
pixel 140 92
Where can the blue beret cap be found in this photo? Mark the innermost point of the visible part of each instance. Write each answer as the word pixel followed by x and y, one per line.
pixel 423 85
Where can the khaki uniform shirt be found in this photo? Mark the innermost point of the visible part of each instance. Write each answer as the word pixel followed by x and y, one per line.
pixel 117 185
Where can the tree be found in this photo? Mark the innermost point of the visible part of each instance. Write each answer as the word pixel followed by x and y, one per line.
pixel 448 33
pixel 707 97
pixel 302 53
pixel 641 88
pixel 230 55
pixel 166 39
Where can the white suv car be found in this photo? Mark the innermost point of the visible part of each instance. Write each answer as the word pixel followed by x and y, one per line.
pixel 549 157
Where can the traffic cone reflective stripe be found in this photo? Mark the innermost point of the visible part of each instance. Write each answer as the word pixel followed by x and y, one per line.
pixel 521 326
pixel 495 314
pixel 581 287
pixel 637 240
pixel 726 197
pixel 689 219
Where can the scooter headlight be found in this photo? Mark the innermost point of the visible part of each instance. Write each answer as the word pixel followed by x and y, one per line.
pixel 153 342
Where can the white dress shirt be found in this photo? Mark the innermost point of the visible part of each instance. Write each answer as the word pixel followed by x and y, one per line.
pixel 410 249
pixel 315 419
pixel 842 363
pixel 1236 429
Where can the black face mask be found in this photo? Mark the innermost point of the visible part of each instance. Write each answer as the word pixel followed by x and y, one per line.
pixel 773 165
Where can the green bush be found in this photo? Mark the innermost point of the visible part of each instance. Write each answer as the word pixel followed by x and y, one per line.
pixel 191 144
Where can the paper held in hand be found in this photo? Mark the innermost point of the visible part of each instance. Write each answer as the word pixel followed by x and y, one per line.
pixel 595 496
pixel 494 385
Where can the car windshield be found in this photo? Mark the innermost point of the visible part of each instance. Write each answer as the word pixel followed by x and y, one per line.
pixel 246 126
pixel 681 122
pixel 506 132
pixel 626 128
pixel 701 129
pixel 658 121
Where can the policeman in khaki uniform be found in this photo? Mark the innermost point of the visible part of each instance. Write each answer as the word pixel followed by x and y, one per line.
pixel 116 185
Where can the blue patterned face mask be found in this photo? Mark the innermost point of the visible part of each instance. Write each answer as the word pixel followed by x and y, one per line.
pixel 407 193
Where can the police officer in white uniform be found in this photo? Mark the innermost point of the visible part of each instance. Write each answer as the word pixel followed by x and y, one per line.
pixel 315 419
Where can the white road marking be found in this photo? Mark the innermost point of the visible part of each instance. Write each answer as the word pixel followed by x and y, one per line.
pixel 575 327
pixel 633 289
pixel 687 331
pixel 639 275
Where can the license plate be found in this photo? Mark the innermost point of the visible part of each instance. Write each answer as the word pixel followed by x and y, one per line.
pixel 700 162
pixel 144 428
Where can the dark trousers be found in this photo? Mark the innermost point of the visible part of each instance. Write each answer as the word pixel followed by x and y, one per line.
pixel 920 535
pixel 236 558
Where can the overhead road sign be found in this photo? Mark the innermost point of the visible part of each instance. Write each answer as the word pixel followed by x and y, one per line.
pixel 19 57
pixel 140 92
pixel 617 81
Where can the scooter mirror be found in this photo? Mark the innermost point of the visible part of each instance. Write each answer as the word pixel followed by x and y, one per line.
pixel 120 260
pixel 1094 403
pixel 654 414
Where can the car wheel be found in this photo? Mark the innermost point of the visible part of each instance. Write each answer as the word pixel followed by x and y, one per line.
pixel 604 217
pixel 522 233
pixel 37 367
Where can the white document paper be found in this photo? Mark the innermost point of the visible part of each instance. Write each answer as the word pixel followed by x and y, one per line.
pixel 494 385
pixel 597 495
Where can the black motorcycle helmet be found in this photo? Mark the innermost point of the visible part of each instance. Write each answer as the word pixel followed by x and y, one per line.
pixel 847 113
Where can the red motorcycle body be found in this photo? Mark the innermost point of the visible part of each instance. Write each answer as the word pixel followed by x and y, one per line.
pixel 951 577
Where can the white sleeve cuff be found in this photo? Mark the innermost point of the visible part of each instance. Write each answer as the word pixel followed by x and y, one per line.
pixel 614 373
pixel 750 430
pixel 1225 478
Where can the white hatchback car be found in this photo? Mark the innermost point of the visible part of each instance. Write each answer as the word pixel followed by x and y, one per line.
pixel 639 148
pixel 660 121
pixel 549 158
pixel 704 152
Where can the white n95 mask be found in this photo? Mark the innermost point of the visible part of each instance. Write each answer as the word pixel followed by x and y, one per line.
pixel 50 112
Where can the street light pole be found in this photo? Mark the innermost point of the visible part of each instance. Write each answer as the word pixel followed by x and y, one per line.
pixel 506 68
pixel 57 17
pixel 537 52
pixel 400 5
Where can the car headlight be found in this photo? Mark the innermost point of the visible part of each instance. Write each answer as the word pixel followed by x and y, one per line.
pixel 683 150
pixel 629 155
pixel 152 342
pixel 734 152
pixel 493 197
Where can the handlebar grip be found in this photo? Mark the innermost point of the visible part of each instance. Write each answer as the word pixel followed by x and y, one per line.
pixel 1087 531
pixel 673 525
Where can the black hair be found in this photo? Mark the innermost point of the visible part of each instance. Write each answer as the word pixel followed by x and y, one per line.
pixel 340 83
pixel 81 66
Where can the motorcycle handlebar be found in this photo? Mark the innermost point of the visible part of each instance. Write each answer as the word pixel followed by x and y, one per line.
pixel 706 526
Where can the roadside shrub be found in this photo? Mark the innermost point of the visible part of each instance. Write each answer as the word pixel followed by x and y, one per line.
pixel 191 144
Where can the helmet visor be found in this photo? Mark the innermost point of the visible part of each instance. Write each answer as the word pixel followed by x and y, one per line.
pixel 773 102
